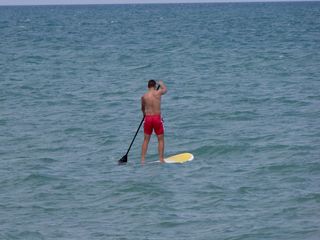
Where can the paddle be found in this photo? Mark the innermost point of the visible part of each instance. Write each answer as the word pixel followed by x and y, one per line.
pixel 124 159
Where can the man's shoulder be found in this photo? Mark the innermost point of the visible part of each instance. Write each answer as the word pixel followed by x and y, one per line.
pixel 157 94
pixel 145 96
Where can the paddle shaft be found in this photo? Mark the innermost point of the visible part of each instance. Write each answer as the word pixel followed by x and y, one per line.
pixel 138 130
pixel 135 135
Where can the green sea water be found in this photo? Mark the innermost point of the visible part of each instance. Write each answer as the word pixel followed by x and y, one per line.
pixel 243 96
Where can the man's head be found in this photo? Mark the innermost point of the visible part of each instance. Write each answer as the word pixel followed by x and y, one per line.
pixel 152 84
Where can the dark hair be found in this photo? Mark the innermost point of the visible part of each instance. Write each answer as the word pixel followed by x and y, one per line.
pixel 152 83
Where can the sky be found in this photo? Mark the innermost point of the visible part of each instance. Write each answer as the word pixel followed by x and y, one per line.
pixel 47 2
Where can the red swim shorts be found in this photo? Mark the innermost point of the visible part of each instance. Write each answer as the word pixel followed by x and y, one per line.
pixel 153 122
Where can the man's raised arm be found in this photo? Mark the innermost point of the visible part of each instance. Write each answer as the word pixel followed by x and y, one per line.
pixel 163 88
pixel 143 106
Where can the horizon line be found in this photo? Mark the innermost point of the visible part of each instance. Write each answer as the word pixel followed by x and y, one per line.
pixel 147 3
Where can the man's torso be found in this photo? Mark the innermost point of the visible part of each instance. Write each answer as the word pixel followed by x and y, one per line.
pixel 152 102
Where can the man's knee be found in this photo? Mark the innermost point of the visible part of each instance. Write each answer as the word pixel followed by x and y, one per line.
pixel 147 137
pixel 160 137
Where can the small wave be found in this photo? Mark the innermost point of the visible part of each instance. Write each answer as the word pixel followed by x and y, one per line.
pixel 141 67
pixel 32 235
pixel 27 87
pixel 252 100
pixel 35 59
pixel 214 186
pixel 122 58
pixel 39 178
pixel 47 160
pixel 3 122
pixel 292 102
pixel 314 167
pixel 219 150
pixel 149 189
pixel 238 115
pixel 53 149
pixel 244 190
pixel 280 168
pixel 293 179
pixel 170 224
pixel 271 147
pixel 73 129
pixel 309 197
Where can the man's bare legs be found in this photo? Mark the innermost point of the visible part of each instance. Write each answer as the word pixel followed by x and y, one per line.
pixel 145 147
pixel 161 147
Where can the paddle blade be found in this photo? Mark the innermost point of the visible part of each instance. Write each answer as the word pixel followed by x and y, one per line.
pixel 123 160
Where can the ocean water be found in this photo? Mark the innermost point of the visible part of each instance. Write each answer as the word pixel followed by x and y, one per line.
pixel 243 97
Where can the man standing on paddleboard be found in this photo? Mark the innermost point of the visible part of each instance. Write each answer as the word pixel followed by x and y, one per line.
pixel 151 109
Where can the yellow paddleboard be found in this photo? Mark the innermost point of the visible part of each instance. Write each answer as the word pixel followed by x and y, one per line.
pixel 179 158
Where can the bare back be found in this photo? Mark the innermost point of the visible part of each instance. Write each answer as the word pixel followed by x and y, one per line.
pixel 152 103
